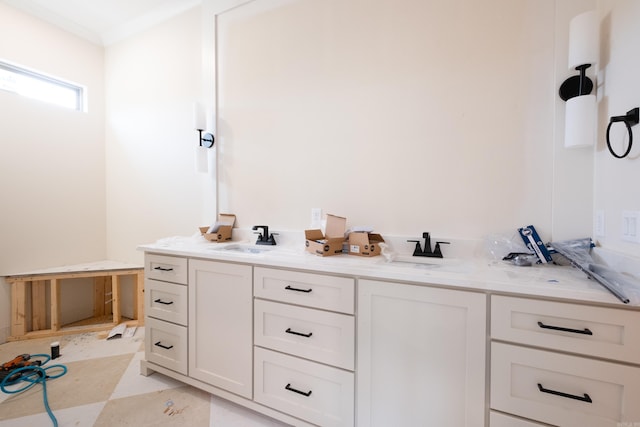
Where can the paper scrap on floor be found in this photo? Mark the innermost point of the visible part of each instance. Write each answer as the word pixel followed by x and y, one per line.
pixel 122 331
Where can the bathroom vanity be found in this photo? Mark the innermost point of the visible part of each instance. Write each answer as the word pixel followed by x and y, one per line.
pixel 344 340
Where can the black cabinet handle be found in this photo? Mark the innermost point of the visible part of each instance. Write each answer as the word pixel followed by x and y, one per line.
pixel 159 301
pixel 163 346
pixel 288 287
pixel 288 387
pixel 289 331
pixel 585 331
pixel 163 269
pixel 585 398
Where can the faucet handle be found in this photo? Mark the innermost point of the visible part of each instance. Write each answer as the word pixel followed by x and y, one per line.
pixel 437 250
pixel 418 249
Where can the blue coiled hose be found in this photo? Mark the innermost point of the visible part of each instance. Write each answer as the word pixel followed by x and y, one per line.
pixel 32 375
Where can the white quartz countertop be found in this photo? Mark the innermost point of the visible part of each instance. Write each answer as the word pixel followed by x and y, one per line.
pixel 475 274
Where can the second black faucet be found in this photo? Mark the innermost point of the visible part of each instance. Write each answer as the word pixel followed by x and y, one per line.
pixel 418 251
pixel 264 238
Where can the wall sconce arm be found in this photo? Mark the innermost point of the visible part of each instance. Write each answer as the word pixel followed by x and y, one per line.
pixel 207 140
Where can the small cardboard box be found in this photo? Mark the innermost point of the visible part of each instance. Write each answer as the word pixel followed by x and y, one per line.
pixel 364 244
pixel 329 244
pixel 221 230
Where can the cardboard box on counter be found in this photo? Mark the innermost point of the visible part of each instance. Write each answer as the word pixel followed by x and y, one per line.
pixel 220 231
pixel 329 243
pixel 364 244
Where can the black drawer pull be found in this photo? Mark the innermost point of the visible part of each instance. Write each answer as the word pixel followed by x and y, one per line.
pixel 163 346
pixel 163 269
pixel 585 398
pixel 585 331
pixel 288 387
pixel 159 301
pixel 288 287
pixel 289 331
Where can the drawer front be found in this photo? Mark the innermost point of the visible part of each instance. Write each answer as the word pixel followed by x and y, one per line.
pixel 308 289
pixel 559 389
pixel 497 419
pixel 316 393
pixel 313 334
pixel 166 268
pixel 595 331
pixel 166 301
pixel 166 345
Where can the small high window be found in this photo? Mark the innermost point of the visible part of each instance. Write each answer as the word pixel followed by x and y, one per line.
pixel 40 86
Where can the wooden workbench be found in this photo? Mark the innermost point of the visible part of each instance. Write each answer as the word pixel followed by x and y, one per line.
pixel 31 320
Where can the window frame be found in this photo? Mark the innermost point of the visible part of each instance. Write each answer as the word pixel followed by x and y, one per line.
pixel 79 90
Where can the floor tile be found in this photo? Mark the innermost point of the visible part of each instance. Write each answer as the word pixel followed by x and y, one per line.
pixel 183 406
pixel 228 414
pixel 78 416
pixel 133 383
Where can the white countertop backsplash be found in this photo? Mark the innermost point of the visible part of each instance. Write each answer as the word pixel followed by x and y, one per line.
pixel 467 264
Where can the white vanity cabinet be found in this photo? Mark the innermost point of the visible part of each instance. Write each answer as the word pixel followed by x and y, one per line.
pixel 304 335
pixel 564 364
pixel 220 325
pixel 420 356
pixel 312 347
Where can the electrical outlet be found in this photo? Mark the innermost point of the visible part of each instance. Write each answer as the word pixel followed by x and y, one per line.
pixel 316 217
pixel 631 226
pixel 599 224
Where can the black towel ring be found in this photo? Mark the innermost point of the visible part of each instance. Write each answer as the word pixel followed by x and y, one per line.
pixel 630 119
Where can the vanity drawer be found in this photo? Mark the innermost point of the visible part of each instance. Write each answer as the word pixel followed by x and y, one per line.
pixel 316 393
pixel 166 345
pixel 563 390
pixel 166 301
pixel 166 268
pixel 308 289
pixel 595 331
pixel 497 419
pixel 313 334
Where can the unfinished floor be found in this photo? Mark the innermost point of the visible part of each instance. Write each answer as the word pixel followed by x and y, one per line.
pixel 104 388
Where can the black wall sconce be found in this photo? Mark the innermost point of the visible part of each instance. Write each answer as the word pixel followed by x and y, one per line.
pixel 581 106
pixel 207 140
pixel 630 119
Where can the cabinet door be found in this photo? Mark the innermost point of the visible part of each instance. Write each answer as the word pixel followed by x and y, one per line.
pixel 421 356
pixel 220 325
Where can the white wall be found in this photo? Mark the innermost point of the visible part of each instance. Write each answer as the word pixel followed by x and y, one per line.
pixel 407 115
pixel 616 180
pixel 153 188
pixel 52 159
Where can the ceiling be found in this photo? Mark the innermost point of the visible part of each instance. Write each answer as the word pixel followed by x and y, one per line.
pixel 103 22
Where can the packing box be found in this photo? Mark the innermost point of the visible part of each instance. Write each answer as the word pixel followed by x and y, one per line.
pixel 364 244
pixel 329 244
pixel 221 230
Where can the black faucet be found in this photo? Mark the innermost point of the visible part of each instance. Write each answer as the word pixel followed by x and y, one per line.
pixel 437 253
pixel 264 238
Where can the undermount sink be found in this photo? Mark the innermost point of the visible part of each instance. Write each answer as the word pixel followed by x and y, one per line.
pixel 245 248
pixel 442 264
